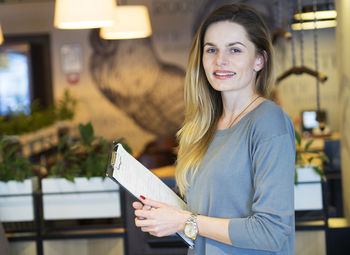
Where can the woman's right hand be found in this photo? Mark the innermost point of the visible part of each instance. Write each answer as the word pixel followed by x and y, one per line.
pixel 139 206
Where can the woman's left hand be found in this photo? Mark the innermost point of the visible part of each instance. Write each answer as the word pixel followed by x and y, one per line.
pixel 161 219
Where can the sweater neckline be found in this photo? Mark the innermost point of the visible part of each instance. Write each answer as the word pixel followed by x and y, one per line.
pixel 239 123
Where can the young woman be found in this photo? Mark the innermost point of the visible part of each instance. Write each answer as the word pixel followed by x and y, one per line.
pixel 236 156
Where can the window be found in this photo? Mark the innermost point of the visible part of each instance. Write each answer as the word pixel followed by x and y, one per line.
pixel 25 73
pixel 14 79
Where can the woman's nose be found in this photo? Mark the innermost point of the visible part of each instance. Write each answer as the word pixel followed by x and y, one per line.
pixel 221 59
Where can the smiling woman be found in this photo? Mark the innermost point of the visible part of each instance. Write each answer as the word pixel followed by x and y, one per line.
pixel 236 148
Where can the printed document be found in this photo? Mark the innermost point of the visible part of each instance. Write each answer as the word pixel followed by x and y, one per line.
pixel 138 180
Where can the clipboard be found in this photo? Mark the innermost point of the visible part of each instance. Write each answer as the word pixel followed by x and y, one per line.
pixel 129 173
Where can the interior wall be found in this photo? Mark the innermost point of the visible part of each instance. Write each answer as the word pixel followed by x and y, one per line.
pixel 298 92
pixel 343 53
pixel 152 68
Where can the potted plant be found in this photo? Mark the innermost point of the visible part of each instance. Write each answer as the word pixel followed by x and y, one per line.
pixel 15 182
pixel 21 123
pixel 76 180
pixel 308 175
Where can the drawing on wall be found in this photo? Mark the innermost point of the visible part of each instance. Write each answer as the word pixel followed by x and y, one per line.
pixel 132 78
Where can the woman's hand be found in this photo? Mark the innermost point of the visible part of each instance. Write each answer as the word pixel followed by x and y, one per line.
pixel 159 219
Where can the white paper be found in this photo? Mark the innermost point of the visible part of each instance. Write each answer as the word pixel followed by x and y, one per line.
pixel 138 180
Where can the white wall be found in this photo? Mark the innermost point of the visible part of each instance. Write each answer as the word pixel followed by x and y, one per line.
pixel 343 53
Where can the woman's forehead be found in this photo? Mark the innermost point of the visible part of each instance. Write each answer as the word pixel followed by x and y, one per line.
pixel 225 33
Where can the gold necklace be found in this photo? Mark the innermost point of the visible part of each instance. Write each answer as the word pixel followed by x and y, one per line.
pixel 245 108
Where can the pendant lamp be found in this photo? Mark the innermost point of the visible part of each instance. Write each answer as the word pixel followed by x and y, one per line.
pixel 315 17
pixel 83 14
pixel 130 22
pixel 314 25
pixel 1 36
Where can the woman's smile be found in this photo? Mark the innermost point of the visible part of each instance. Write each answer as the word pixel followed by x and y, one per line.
pixel 223 74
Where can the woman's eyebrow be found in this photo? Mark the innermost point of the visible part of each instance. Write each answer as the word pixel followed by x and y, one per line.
pixel 234 43
pixel 227 45
pixel 209 44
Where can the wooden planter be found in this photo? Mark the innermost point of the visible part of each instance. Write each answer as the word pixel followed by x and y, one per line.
pixel 83 199
pixel 16 201
pixel 308 190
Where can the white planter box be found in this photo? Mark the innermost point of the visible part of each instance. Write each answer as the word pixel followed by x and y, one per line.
pixel 308 191
pixel 62 199
pixel 16 203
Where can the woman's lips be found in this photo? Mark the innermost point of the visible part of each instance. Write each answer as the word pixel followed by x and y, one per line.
pixel 223 74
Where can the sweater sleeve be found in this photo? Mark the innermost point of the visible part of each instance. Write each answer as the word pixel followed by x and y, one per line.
pixel 272 212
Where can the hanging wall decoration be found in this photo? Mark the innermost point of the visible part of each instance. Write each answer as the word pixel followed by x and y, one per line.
pixel 302 69
pixel 279 31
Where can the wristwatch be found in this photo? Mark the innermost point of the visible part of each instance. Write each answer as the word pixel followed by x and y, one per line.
pixel 191 229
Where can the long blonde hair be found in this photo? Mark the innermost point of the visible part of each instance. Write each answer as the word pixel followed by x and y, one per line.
pixel 203 104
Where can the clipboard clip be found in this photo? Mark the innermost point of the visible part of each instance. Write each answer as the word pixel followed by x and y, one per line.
pixel 115 159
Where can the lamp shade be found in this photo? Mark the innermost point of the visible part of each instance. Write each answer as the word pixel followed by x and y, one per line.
pixel 131 21
pixel 1 36
pixel 83 14
pixel 315 16
pixel 314 25
pixel 329 14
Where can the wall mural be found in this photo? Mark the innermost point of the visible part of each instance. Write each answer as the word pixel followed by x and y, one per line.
pixel 142 77
pixel 129 75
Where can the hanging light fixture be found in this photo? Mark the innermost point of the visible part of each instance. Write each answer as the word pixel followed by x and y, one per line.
pixel 1 36
pixel 83 14
pixel 324 17
pixel 328 14
pixel 312 24
pixel 131 21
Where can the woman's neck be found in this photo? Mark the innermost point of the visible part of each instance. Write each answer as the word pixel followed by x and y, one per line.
pixel 235 107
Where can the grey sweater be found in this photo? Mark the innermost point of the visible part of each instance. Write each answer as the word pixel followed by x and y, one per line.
pixel 247 175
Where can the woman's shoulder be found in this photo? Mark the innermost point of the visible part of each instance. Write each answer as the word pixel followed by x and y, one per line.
pixel 268 111
pixel 269 120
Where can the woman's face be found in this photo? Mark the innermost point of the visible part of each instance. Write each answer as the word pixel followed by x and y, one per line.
pixel 229 57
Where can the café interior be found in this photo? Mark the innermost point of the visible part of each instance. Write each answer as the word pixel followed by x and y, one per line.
pixel 78 75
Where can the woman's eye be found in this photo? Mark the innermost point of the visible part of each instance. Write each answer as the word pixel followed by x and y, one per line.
pixel 235 50
pixel 211 50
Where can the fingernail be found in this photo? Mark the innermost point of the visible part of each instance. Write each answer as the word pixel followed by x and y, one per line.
pixel 142 197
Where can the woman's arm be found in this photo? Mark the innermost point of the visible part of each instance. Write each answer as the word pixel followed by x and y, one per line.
pixel 163 220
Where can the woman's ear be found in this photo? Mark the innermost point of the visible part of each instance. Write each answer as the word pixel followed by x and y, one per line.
pixel 260 61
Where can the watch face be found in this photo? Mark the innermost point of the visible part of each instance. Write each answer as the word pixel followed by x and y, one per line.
pixel 190 230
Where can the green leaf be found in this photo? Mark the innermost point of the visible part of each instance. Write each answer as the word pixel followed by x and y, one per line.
pixel 125 145
pixel 62 142
pixel 310 159
pixel 297 137
pixel 87 133
pixel 69 177
pixel 308 145
pixel 323 158
pixel 318 170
